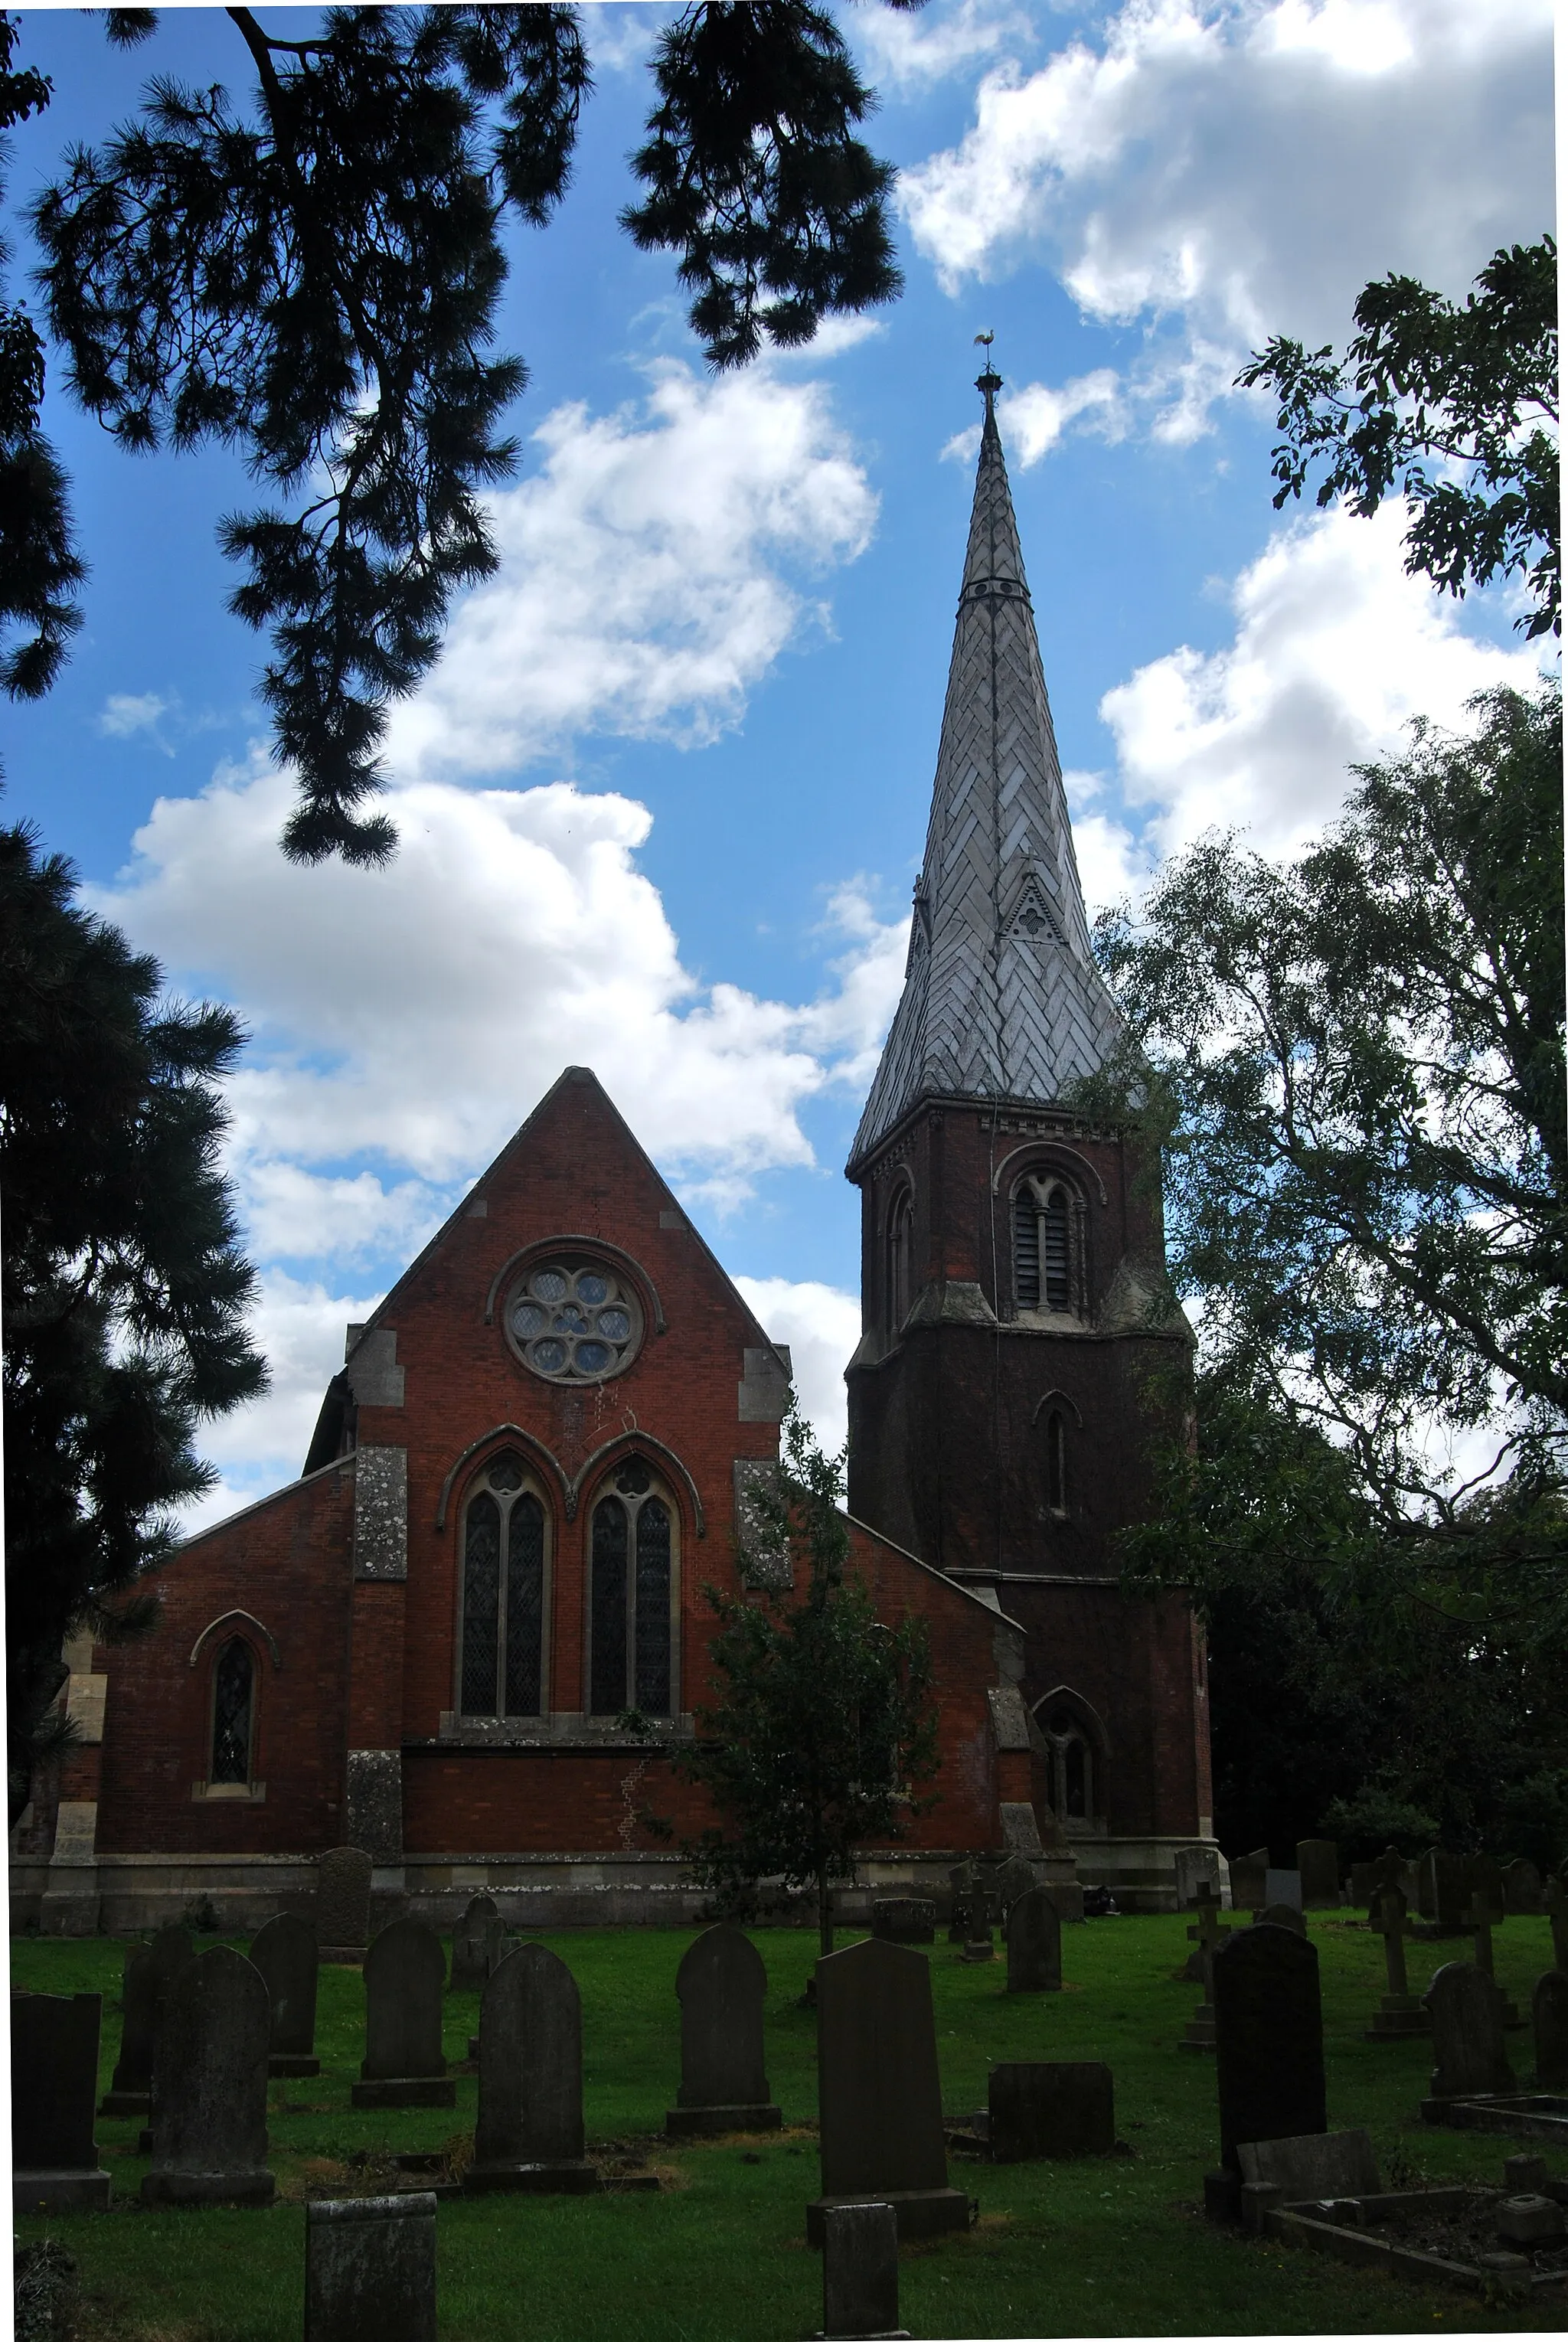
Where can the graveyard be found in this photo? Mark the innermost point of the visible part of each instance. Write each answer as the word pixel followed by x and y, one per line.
pixel 654 2226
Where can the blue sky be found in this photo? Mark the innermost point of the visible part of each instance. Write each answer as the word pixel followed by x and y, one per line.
pixel 661 805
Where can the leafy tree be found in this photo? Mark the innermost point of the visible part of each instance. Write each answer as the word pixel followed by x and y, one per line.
pixel 822 1721
pixel 1431 383
pixel 1355 1066
pixel 124 1291
pixel 313 278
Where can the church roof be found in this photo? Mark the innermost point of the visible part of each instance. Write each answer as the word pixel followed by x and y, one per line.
pixel 1002 998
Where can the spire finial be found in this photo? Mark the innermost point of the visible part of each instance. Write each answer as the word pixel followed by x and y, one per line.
pixel 990 381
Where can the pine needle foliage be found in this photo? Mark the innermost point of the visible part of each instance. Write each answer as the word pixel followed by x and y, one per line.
pixel 823 1722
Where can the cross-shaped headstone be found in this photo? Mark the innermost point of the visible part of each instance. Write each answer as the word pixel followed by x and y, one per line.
pixel 1389 1921
pixel 1480 1917
pixel 1388 1870
pixel 1207 1933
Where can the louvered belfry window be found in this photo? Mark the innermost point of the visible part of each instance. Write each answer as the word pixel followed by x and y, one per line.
pixel 631 1616
pixel 1042 1245
pixel 503 1666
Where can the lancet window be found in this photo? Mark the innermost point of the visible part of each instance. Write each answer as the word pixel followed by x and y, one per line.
pixel 635 1584
pixel 899 1245
pixel 234 1713
pixel 1043 1243
pixel 505 1588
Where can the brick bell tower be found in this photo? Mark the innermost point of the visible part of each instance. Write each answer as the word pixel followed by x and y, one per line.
pixel 1020 1357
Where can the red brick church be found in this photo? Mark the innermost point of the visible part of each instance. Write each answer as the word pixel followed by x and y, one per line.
pixel 545 1440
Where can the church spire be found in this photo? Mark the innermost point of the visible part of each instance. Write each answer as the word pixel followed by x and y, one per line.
pixel 1001 998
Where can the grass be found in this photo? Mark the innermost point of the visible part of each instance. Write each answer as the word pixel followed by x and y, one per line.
pixel 1112 2247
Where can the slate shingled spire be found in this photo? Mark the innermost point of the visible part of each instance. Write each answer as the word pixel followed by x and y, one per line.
pixel 1001 998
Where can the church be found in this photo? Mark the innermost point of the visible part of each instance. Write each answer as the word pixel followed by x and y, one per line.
pixel 548 1439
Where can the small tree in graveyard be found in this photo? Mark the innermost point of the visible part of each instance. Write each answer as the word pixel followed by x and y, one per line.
pixel 823 1722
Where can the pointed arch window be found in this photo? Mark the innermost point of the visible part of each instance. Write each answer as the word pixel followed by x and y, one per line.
pixel 1077 1788
pixel 505 1582
pixel 234 1714
pixel 635 1586
pixel 1042 1244
pixel 900 1248
pixel 1057 1461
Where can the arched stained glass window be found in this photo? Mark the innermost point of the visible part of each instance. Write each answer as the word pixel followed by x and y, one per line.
pixel 503 1630
pixel 1043 1245
pixel 632 1608
pixel 234 1701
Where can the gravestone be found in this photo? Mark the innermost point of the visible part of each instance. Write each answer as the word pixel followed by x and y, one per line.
pixel 1249 1876
pixel 150 1968
pixel 1051 2110
pixel 1400 2014
pixel 1444 1888
pixel 53 2082
pixel 859 2271
pixel 722 1984
pixel 1014 1877
pixel 878 2090
pixel 1482 1914
pixel 1035 1944
pixel 1268 2038
pixel 1282 1914
pixel 1555 1897
pixel 1466 2034
pixel 1300 2170
pixel 963 1880
pixel 1204 1934
pixel 472 1944
pixel 1195 1866
pixel 370 2269
pixel 1548 2017
pixel 1521 1890
pixel 1363 1883
pixel 529 2134
pixel 1317 1859
pixel 1283 1886
pixel 904 1919
pixel 404 1979
pixel 342 1904
pixel 1483 1878
pixel 284 1952
pixel 209 2086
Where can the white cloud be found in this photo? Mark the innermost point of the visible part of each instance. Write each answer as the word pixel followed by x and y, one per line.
pixel 1335 650
pixel 1034 417
pixel 652 572
pixel 1247 167
pixel 822 1326
pixel 125 713
pixel 908 53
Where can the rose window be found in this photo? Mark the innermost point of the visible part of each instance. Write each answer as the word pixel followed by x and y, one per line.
pixel 574 1321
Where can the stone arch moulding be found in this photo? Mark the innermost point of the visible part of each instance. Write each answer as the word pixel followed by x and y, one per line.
pixel 548 1246
pixel 531 1447
pixel 1051 1155
pixel 1086 1712
pixel 634 1443
pixel 1063 1398
pixel 236 1618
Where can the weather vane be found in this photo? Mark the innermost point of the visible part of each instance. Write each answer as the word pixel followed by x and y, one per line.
pixel 990 381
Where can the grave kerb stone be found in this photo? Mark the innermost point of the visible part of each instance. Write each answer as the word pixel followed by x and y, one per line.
pixel 370 2269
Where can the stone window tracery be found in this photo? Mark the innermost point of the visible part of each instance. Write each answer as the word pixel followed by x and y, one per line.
pixel 633 1562
pixel 1076 1789
pixel 502 1639
pixel 575 1320
pixel 1044 1244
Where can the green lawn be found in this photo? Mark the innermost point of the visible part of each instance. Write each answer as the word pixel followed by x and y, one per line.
pixel 1112 2247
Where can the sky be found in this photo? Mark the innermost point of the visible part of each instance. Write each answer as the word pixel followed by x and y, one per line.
pixel 662 802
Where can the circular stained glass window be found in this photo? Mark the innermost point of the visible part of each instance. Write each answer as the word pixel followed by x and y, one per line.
pixel 574 1321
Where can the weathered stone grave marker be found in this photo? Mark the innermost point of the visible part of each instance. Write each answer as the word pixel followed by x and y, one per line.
pixel 1466 2037
pixel 1399 2014
pixel 1014 1877
pixel 722 1986
pixel 1282 1914
pixel 860 2272
pixel 1443 1889
pixel 1482 1914
pixel 150 1968
pixel 1521 1890
pixel 1195 1866
pixel 404 1981
pixel 1248 1877
pixel 343 1905
pixel 1055 2110
pixel 284 1952
pixel 1205 1935
pixel 1034 1943
pixel 1549 2017
pixel 1283 1886
pixel 963 1880
pixel 1555 1895
pixel 370 2269
pixel 529 2135
pixel 1295 2170
pixel 878 2090
pixel 904 1919
pixel 1268 2048
pixel 1317 1859
pixel 53 2082
pixel 473 1941
pixel 209 2086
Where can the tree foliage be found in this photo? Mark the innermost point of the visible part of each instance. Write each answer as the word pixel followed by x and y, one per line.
pixel 313 277
pixel 124 1294
pixel 1430 385
pixel 823 1722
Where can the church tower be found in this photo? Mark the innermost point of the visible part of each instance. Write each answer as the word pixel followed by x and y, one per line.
pixel 1016 1369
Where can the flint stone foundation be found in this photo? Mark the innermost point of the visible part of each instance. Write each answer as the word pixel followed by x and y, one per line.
pixel 209 2086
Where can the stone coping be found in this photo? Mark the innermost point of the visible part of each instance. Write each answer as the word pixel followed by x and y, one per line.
pixel 1307 2223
